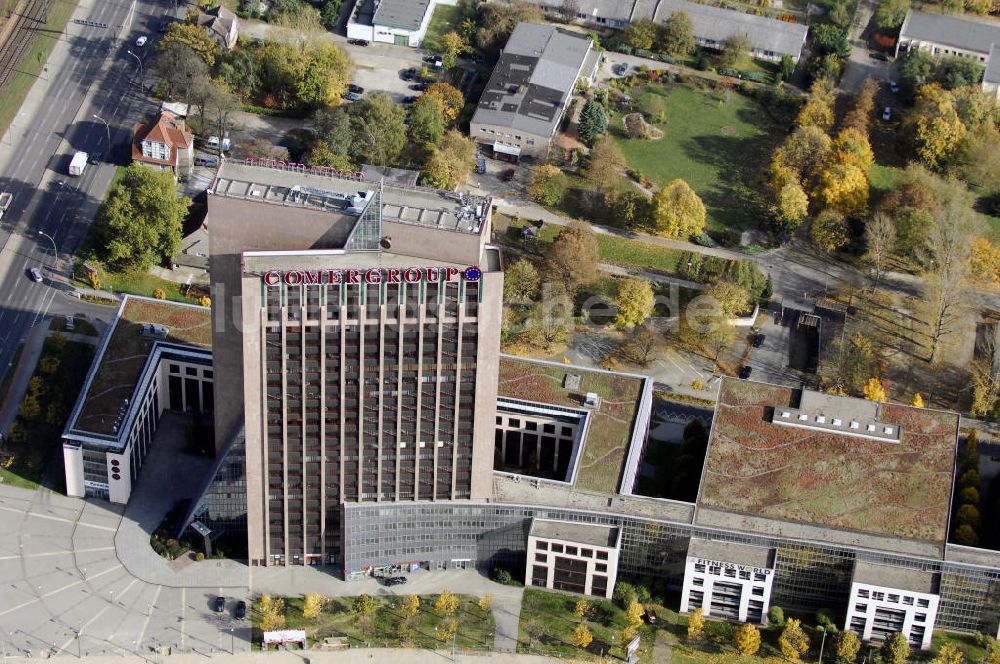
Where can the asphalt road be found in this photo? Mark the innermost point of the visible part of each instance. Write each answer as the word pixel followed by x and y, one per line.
pixel 88 73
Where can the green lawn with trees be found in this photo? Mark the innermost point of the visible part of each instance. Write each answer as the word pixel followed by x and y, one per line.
pixel 718 141
pixel 445 19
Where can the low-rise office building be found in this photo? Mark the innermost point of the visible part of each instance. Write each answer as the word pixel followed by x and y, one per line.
pixel 399 22
pixel 941 35
pixel 525 99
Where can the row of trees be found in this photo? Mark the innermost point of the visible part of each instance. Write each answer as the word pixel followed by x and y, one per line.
pixel 967 523
pixel 294 13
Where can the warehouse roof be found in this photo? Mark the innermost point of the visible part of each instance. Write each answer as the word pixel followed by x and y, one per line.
pixel 402 14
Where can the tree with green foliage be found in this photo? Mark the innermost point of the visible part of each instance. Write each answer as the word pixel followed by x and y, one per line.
pixel 735 49
pixel 793 642
pixel 746 640
pixel 895 649
pixel 520 282
pixel 846 646
pixel 452 46
pixel 451 161
pixel 624 594
pixel 547 185
pixel 786 67
pixel 968 515
pixel 379 129
pixel 641 34
pixel 889 14
pixel 676 36
pixel 593 122
pixel 194 37
pixel 427 123
pixel 363 605
pixel 830 39
pixel 829 231
pixel 776 615
pixel 635 303
pixel 677 211
pixel 915 69
pixel 139 223
pixel 572 257
pixel 330 14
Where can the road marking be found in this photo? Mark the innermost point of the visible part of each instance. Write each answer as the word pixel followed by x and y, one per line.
pixel 58 590
pixel 58 518
pixel 58 553
pixel 149 614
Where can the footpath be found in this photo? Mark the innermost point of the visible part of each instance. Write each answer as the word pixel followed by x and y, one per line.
pixel 352 656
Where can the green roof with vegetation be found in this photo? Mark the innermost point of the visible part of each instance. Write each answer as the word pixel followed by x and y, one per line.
pixel 127 350
pixel 837 480
pixel 610 428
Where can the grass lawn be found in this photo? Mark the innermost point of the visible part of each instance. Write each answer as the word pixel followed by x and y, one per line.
pixel 30 68
pixel 547 624
pixel 135 283
pixel 721 148
pixel 475 627
pixel 444 20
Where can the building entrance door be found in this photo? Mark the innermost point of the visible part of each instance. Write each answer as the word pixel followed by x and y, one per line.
pixel 401 40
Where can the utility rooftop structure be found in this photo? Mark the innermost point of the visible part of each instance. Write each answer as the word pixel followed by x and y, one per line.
pixel 526 96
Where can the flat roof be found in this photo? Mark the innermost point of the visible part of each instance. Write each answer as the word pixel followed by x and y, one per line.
pixel 291 185
pixel 126 347
pixel 730 552
pixel 992 73
pixel 891 576
pixel 581 533
pixel 402 14
pixel 718 23
pixel 533 79
pixel 833 479
pixel 609 432
pixel 963 33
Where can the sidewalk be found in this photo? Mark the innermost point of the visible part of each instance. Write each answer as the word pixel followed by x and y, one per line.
pixel 22 374
pixel 352 656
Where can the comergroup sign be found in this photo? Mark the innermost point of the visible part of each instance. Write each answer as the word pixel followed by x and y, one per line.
pixel 388 275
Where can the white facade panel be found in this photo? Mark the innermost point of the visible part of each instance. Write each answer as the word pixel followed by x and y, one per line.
pixel 876 611
pixel 73 463
pixel 727 590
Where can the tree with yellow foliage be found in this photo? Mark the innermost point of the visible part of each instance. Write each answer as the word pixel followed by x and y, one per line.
pixel 452 46
pixel 272 613
pixel 934 126
pixel 581 609
pixel 791 205
pixel 410 606
pixel 818 109
pixel 634 613
pixel 746 639
pixel 581 637
pixel 677 211
pixel 313 606
pixel 949 653
pixel 875 390
pixel 844 187
pixel 829 231
pixel 450 97
pixel 917 401
pixel 793 642
pixel 852 147
pixel 984 262
pixel 446 603
pixel 696 622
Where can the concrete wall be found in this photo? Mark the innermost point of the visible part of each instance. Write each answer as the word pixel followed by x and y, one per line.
pixel 488 134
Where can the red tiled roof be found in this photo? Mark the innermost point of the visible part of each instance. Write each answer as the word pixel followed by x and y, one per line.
pixel 166 129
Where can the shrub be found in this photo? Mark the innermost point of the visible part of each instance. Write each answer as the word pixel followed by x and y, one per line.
pixel 625 594
pixel 776 615
pixel 643 596
pixel 824 617
pixel 159 294
pixel 199 556
pixel 501 576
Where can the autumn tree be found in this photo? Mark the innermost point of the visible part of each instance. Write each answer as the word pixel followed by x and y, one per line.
pixel 852 147
pixel 949 653
pixel 746 640
pixel 272 613
pixel 446 603
pixel 934 127
pixel 793 642
pixel 880 239
pixel 313 605
pixel 734 50
pixel 640 345
pixel 818 109
pixel 917 401
pixel 593 122
pixel 635 303
pixel 846 646
pixel 802 157
pixel 676 36
pixel 363 605
pixel 829 231
pixel 641 34
pixel 496 20
pixel 875 390
pixel 485 603
pixel 572 258
pixel 634 613
pixel 581 636
pixel 733 300
pixel 895 649
pixel 862 107
pixel 843 187
pixel 450 162
pixel 581 609
pixel 677 211
pixel 889 14
pixel 791 206
pixel 984 262
pixel 547 185
pixel 604 163
pixel 452 46
pixel 520 282
pixel 410 605
pixel 379 129
pixel 449 96
pixel 696 623
pixel 194 37
pixel 912 207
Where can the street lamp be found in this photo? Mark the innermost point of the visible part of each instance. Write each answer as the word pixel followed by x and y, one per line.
pixel 55 251
pixel 142 78
pixel 232 642
pixel 822 643
pixel 108 127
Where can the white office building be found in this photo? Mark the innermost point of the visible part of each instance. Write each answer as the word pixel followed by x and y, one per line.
pixel 728 580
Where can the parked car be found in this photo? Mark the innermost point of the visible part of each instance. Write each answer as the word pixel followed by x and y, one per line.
pixel 745 372
pixel 357 89
pixel 419 87
pixel 205 161
pixel 876 55
pixel 35 274
pixel 408 74
pixel 141 41
pixel 894 87
pixel 619 69
pixel 651 617
pixel 352 96
pixel 219 605
pixel 395 581
pixel 887 113
pixel 358 42
pixel 241 610
pixel 95 157
pixel 508 174
pixel 410 100
pixel 758 341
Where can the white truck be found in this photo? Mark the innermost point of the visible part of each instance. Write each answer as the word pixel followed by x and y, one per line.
pixel 78 163
pixel 5 201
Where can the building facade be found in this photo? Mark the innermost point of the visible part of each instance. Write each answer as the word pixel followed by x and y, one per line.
pixel 572 557
pixel 399 22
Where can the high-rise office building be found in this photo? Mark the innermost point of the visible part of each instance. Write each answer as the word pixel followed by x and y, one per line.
pixel 356 344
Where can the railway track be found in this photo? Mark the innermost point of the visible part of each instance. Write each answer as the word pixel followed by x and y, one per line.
pixel 29 21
